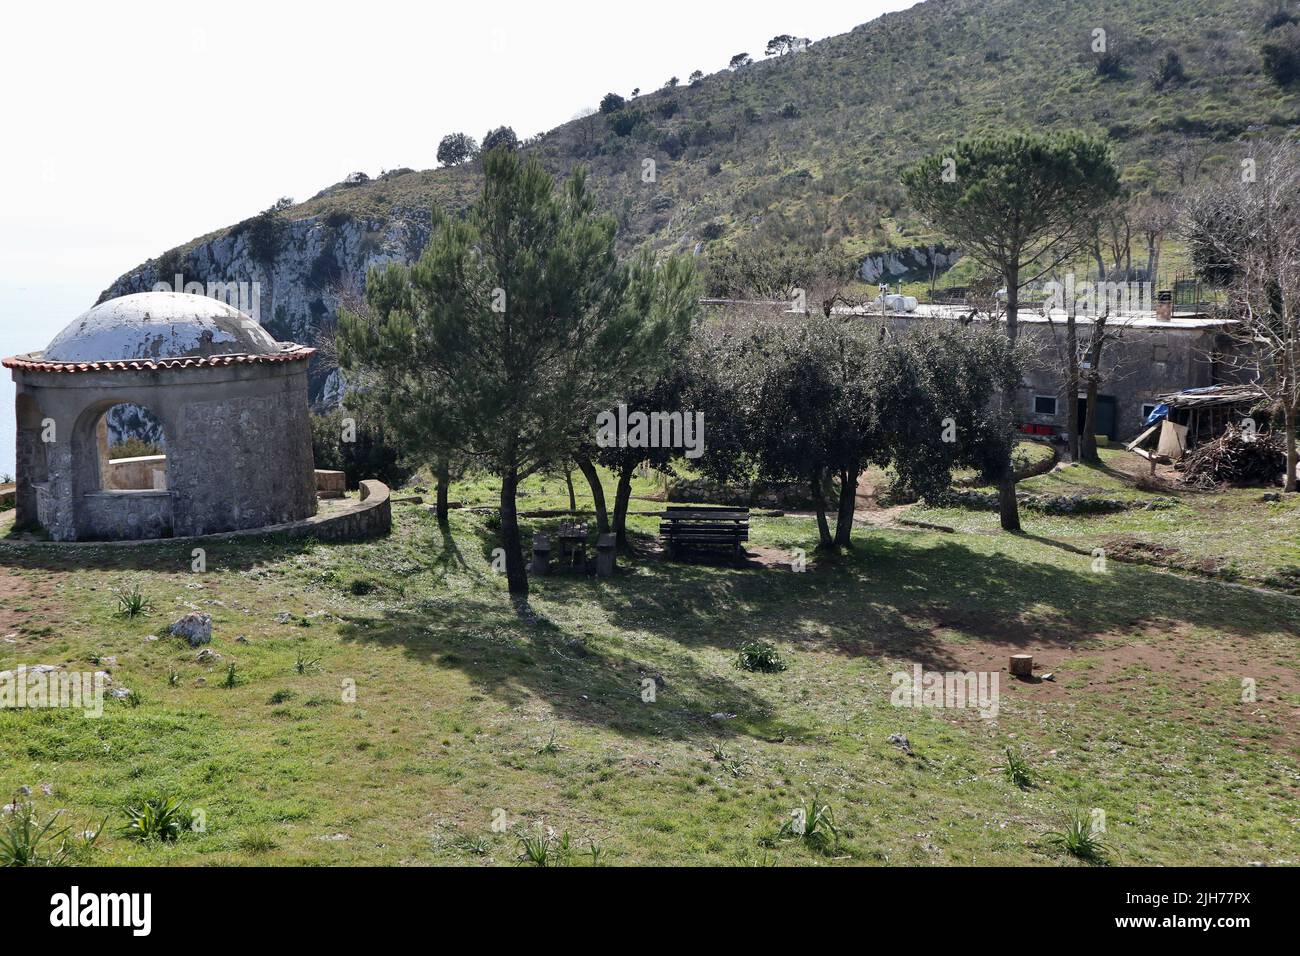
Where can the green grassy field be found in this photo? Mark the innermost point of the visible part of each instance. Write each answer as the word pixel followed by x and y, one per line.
pixel 466 713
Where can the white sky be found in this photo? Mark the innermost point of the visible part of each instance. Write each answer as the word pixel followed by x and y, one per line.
pixel 129 128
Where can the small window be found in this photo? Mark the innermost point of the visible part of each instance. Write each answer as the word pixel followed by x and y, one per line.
pixel 1044 404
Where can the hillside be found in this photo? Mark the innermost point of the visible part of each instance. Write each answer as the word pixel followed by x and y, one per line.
pixel 808 146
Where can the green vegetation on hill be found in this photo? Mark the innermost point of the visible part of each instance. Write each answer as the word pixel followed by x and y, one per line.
pixel 808 146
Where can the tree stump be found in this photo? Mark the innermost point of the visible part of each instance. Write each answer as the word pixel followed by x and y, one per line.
pixel 1022 665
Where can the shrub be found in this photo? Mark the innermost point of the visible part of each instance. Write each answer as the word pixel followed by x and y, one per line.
pixel 26 841
pixel 1281 54
pixel 625 121
pixel 545 849
pixel 1017 770
pixel 612 103
pixel 374 454
pixel 1168 71
pixel 264 231
pixel 135 448
pixel 760 656
pixel 1078 839
pixel 132 601
pixel 502 136
pixel 815 825
pixel 156 819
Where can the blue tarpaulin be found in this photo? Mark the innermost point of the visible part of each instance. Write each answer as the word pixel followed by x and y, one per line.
pixel 1157 413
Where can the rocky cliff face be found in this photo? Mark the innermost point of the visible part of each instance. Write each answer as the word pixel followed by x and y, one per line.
pixel 295 286
pixel 914 264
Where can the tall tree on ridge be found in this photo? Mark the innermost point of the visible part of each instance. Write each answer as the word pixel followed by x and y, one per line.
pixel 1021 204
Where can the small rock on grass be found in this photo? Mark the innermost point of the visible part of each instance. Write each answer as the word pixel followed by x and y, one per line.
pixel 195 628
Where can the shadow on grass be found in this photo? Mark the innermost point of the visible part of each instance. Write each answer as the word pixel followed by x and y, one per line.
pixel 895 595
pixel 162 556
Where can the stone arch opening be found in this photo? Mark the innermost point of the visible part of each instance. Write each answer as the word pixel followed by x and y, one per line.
pixel 132 444
pixel 119 492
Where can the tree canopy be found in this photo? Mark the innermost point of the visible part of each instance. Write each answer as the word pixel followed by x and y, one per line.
pixel 516 326
pixel 456 148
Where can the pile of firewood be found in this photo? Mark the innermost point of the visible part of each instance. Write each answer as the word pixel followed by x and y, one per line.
pixel 1236 458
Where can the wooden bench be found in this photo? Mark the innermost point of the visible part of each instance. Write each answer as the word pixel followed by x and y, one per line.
pixel 683 527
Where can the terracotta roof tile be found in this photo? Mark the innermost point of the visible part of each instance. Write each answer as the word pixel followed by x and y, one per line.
pixel 291 353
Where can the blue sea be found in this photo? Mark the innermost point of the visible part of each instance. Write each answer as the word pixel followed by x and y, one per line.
pixel 32 313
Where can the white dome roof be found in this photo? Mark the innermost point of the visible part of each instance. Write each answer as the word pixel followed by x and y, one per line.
pixel 159 325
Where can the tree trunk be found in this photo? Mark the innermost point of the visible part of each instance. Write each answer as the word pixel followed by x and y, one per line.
pixel 1012 279
pixel 443 474
pixel 516 571
pixel 1072 385
pixel 1008 507
pixel 1088 448
pixel 1289 417
pixel 597 494
pixel 622 496
pixel 848 503
pixel 568 482
pixel 824 540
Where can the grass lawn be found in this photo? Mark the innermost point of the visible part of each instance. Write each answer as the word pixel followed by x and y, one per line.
pixel 1232 534
pixel 466 713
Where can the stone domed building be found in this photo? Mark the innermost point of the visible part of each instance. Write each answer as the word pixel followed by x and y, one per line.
pixel 229 402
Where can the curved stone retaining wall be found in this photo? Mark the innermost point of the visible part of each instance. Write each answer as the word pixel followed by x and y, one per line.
pixel 371 517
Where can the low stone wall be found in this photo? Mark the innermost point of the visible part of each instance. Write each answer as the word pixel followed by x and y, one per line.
pixel 122 515
pixel 371 517
pixel 8 496
pixel 1055 504
pixel 757 495
pixel 136 474
pixel 331 484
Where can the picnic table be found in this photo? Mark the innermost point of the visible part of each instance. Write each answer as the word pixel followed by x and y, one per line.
pixel 573 545
pixel 686 526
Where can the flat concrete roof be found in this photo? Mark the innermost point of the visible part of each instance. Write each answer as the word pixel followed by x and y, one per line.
pixel 1137 318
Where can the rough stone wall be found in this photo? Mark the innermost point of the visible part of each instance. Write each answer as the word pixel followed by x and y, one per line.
pixel 259 448
pixel 30 460
pixel 1146 363
pixel 125 516
pixel 239 440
